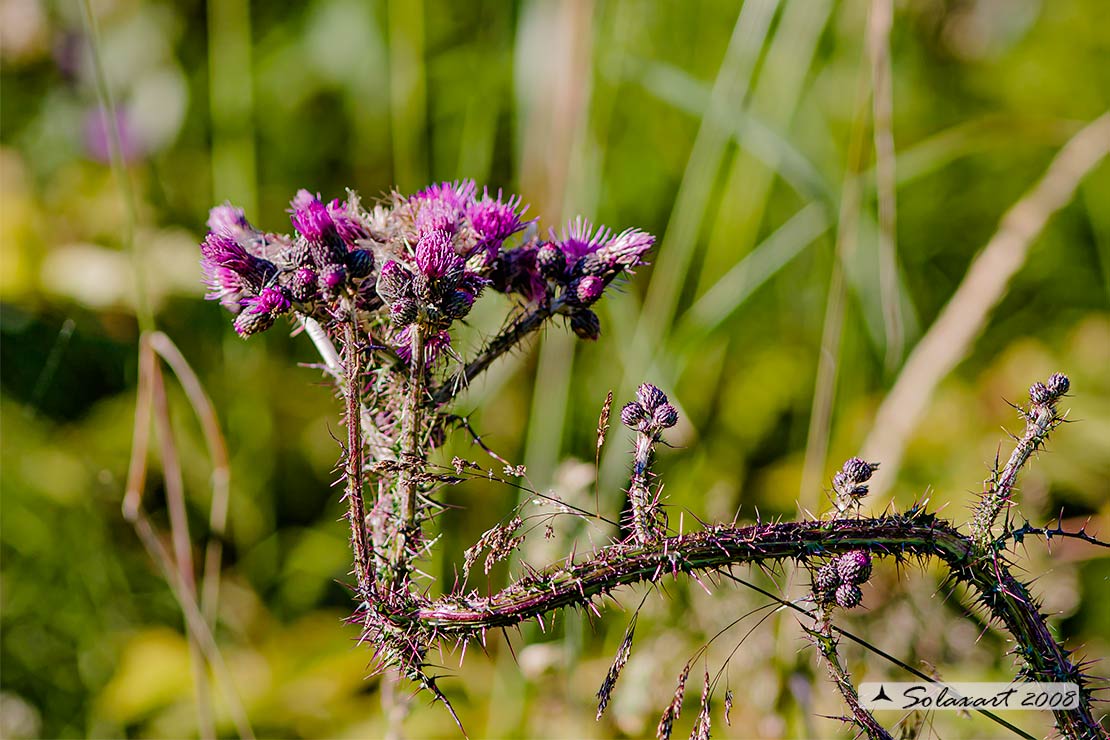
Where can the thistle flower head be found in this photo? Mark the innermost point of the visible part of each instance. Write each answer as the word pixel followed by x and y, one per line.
pixel 626 250
pixel 360 263
pixel 394 281
pixel 580 238
pixel 350 228
pixel 311 218
pixel 650 397
pixel 231 272
pixel 848 595
pixel 826 580
pixel 494 221
pixel 854 566
pixel 633 414
pixel 433 214
pixel 435 256
pixel 665 416
pixel 1058 384
pixel 585 324
pixel 551 261
pixel 228 219
pixel 849 482
pixel 585 290
pixel 457 194
pixel 259 312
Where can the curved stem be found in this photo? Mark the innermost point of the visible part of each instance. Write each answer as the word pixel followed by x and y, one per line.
pixel 718 547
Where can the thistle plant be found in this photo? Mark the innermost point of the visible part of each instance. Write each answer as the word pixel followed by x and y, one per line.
pixel 380 290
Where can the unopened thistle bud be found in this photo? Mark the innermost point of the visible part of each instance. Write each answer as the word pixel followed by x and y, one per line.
pixel 1039 394
pixel 394 281
pixel 848 595
pixel 854 566
pixel 585 324
pixel 360 263
pixel 332 279
pixel 665 416
pixel 585 291
pixel 458 304
pixel 551 262
pixel 402 311
pixel 1058 384
pixel 591 264
pixel 302 284
pixel 650 397
pixel 826 580
pixel 632 415
pixel 858 470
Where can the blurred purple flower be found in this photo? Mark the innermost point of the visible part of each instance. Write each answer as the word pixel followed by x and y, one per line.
pixel 229 219
pixel 98 136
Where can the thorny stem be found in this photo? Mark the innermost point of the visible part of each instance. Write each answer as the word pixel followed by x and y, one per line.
pixel 509 338
pixel 639 494
pixel 826 642
pixel 353 472
pixel 921 535
pixel 410 449
pixel 1040 420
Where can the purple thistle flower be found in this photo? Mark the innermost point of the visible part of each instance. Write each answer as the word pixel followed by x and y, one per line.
pixel 260 311
pixel 585 290
pixel 435 256
pixel 229 219
pixel 434 343
pixel 626 250
pixel 232 272
pixel 580 238
pixel 349 227
pixel 456 194
pixel 437 215
pixel 495 221
pixel 311 218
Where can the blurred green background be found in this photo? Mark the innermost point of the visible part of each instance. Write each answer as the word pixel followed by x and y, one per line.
pixel 614 109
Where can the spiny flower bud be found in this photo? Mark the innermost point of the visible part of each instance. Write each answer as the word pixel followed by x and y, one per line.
pixel 854 566
pixel 826 579
pixel 332 278
pixel 551 262
pixel 666 416
pixel 585 290
pixel 591 264
pixel 260 312
pixel 1039 394
pixel 393 281
pixel 848 595
pixel 458 304
pixel 252 322
pixel 402 311
pixel 858 470
pixel 360 263
pixel 585 324
pixel 650 397
pixel 1058 384
pixel 632 415
pixel 302 284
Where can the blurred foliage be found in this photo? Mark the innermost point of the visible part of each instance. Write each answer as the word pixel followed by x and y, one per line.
pixel 582 107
